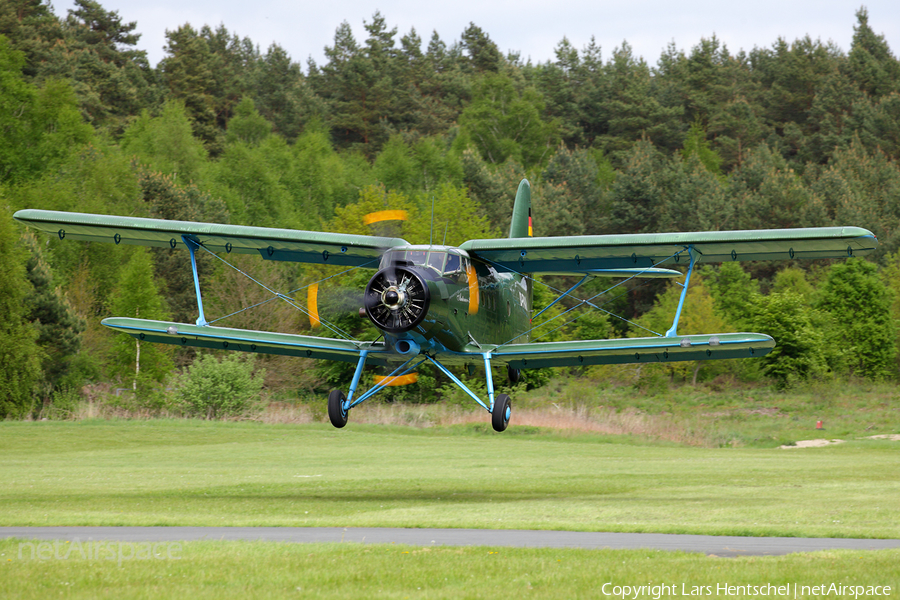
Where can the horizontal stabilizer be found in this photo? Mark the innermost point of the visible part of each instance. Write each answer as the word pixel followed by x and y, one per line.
pixel 537 355
pixel 245 340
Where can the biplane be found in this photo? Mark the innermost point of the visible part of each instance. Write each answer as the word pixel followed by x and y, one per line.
pixel 457 306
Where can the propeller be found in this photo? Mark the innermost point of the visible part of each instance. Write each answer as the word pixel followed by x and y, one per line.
pixel 396 299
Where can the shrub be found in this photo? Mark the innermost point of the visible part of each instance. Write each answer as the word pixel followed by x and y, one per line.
pixel 213 388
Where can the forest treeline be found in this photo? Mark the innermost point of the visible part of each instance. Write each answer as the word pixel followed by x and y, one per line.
pixel 799 133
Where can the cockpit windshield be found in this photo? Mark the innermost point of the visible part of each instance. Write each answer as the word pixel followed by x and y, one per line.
pixel 443 261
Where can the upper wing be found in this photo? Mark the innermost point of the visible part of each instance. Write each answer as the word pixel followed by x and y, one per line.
pixel 586 252
pixel 536 355
pixel 271 244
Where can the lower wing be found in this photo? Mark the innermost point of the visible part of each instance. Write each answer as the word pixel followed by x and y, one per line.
pixel 537 355
pixel 245 340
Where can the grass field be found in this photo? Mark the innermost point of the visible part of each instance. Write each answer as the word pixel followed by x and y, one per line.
pixel 213 473
pixel 272 570
pixel 179 472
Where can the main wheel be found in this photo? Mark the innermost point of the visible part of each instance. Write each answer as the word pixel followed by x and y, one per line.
pixel 502 411
pixel 336 411
pixel 513 374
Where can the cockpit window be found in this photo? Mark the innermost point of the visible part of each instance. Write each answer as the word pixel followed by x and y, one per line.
pixel 416 257
pixel 446 263
pixel 436 260
pixel 452 264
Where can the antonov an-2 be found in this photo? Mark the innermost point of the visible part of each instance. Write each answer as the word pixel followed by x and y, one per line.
pixel 457 306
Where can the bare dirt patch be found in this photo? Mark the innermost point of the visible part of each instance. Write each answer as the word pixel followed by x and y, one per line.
pixel 813 443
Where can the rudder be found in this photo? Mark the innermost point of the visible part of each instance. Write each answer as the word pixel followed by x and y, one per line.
pixel 520 225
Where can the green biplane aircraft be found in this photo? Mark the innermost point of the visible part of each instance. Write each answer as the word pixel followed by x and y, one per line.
pixel 458 306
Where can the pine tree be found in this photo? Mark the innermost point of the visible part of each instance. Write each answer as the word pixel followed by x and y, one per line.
pixel 59 328
pixel 872 65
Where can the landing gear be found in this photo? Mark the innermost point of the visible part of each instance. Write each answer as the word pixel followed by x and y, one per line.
pixel 501 412
pixel 514 375
pixel 336 411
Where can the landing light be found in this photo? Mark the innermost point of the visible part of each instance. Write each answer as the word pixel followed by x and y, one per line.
pixel 172 330
pixel 713 341
pixel 685 343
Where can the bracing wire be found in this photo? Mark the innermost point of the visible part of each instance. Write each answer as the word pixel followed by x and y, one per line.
pixel 286 297
pixel 584 302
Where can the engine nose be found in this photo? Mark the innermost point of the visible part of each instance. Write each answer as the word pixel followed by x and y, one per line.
pixel 392 298
pixel 397 299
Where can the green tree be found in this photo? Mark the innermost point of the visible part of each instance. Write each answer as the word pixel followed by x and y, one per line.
pixel 799 344
pixel 20 356
pixel 696 144
pixel 247 125
pixel 111 77
pixel 503 122
pixel 59 328
pixel 138 297
pixel 166 143
pixel 571 200
pixel 40 127
pixel 862 328
pixel 734 292
pixel 188 71
pixel 871 63
pixel 634 112
pixel 282 94
pixel 167 200
pixel 484 56
pixel 638 198
pixel 698 316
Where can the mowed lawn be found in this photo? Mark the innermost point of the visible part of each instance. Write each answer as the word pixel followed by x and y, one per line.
pixel 250 474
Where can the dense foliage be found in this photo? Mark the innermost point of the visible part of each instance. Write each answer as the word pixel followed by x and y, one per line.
pixel 801 133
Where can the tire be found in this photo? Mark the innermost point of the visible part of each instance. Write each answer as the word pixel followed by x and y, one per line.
pixel 501 413
pixel 336 412
pixel 514 375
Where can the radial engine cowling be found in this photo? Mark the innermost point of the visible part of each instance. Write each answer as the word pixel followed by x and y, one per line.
pixel 397 299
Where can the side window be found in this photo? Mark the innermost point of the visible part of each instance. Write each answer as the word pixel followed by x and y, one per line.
pixel 453 264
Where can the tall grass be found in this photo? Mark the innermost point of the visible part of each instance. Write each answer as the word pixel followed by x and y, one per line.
pixel 717 414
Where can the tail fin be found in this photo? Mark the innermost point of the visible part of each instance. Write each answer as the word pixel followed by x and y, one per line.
pixel 520 226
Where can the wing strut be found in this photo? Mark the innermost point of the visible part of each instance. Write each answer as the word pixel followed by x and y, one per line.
pixel 673 331
pixel 192 246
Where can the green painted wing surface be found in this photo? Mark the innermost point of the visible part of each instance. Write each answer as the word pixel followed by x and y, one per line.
pixel 244 340
pixel 580 253
pixel 714 346
pixel 650 273
pixel 271 244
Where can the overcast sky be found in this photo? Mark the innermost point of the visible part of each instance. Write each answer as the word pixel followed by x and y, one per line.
pixel 532 28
